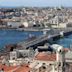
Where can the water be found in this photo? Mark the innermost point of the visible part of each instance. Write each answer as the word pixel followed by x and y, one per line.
pixel 13 36
pixel 66 41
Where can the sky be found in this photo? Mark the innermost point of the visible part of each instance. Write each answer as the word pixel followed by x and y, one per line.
pixel 37 3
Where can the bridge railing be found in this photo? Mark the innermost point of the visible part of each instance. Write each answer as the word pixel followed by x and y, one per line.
pixel 35 41
pixel 52 33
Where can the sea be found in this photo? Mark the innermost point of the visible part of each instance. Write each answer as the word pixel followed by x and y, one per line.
pixel 66 41
pixel 13 36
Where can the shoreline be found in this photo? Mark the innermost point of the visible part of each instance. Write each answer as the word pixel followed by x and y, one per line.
pixel 21 29
pixel 6 28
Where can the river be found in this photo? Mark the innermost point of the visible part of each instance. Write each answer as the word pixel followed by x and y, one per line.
pixel 66 41
pixel 14 36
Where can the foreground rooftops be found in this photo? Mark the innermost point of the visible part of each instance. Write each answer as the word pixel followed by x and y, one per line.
pixel 23 68
pixel 42 56
pixel 7 68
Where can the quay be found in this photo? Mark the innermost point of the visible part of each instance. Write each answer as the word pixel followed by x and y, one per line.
pixel 30 29
pixel 51 35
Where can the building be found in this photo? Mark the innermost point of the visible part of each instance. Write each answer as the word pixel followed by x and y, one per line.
pixel 48 61
pixel 14 24
pixel 18 57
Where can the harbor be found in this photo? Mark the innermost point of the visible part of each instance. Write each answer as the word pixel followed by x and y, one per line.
pixel 21 37
pixel 14 36
pixel 50 36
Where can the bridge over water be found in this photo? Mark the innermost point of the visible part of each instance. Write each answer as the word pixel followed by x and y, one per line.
pixel 50 35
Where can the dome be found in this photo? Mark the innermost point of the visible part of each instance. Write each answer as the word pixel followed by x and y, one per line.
pixel 25 24
pixel 57 47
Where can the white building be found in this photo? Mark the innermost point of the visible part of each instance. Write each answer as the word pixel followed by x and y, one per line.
pixel 48 61
pixel 14 24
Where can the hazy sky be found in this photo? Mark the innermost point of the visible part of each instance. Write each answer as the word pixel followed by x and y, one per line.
pixel 35 2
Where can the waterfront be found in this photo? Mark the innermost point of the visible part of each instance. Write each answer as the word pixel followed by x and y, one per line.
pixel 13 36
pixel 66 41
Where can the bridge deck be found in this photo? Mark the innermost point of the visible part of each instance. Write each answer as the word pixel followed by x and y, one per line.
pixel 42 38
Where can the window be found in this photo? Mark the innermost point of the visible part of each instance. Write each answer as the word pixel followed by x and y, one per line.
pixel 59 64
pixel 56 69
pixel 43 67
pixel 50 64
pixel 13 58
pixel 43 63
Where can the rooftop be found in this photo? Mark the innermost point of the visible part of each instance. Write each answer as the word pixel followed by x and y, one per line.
pixel 23 68
pixel 42 56
pixel 7 68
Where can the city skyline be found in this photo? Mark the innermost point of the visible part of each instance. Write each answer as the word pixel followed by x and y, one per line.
pixel 36 3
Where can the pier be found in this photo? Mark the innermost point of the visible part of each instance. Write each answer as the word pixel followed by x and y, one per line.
pixel 51 35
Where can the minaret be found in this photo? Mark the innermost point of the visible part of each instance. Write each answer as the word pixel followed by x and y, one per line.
pixel 57 20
